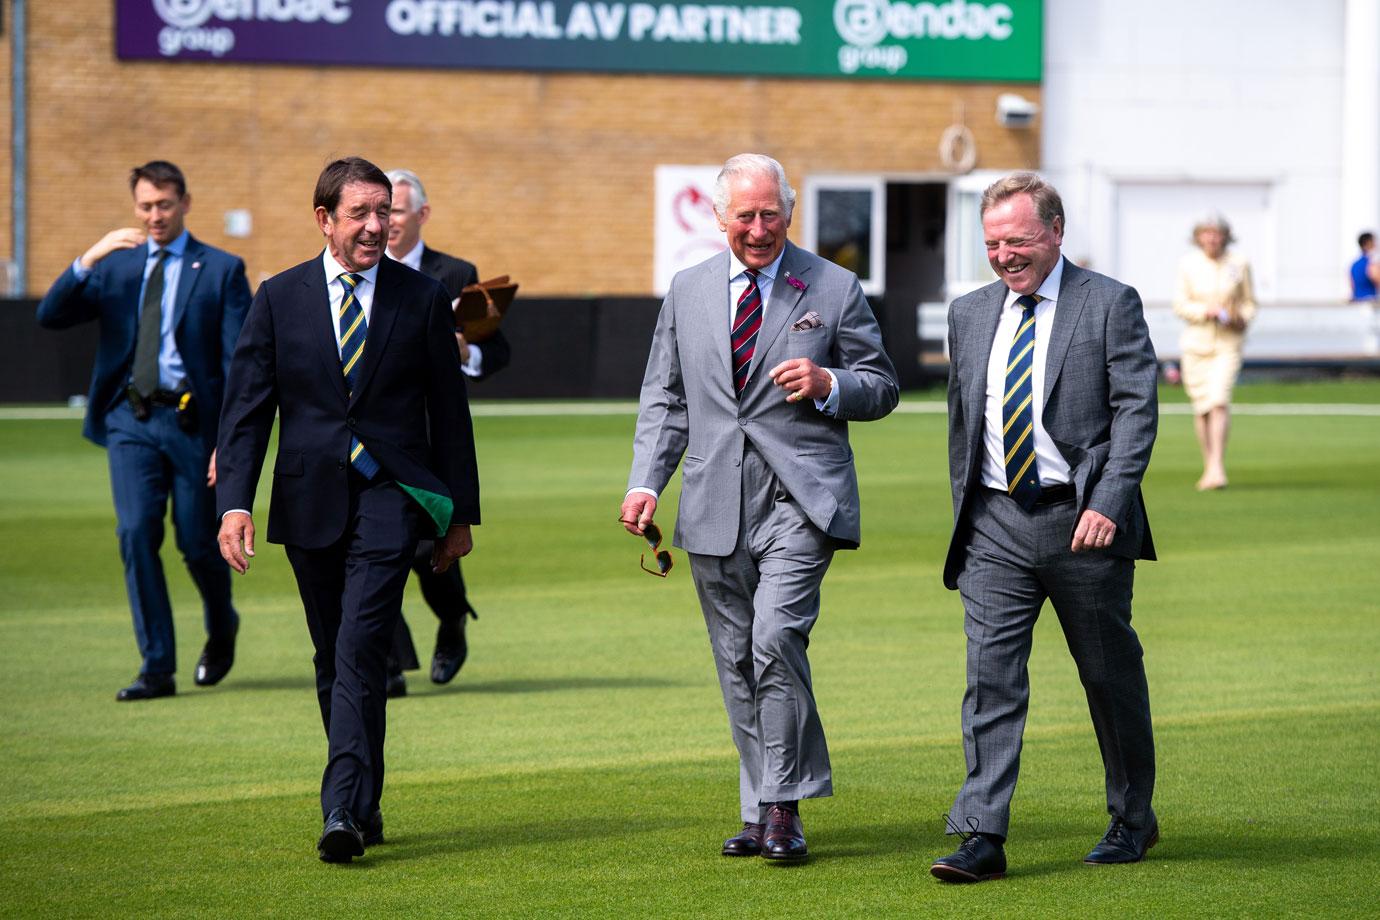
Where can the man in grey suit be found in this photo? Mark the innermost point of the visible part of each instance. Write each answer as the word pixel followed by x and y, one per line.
pixel 761 356
pixel 1052 416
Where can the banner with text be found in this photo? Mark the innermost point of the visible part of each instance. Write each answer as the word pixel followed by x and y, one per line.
pixel 950 40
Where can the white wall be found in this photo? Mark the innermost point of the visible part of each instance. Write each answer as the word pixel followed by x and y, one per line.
pixel 1196 95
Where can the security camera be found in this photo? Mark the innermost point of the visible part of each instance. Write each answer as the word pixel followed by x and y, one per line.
pixel 1015 111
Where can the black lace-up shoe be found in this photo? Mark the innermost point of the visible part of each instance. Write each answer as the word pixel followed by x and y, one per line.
pixel 1123 843
pixel 978 858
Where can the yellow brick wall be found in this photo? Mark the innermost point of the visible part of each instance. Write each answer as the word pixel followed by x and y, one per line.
pixel 6 160
pixel 548 178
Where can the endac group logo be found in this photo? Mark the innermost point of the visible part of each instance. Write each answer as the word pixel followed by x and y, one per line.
pixel 185 21
pixel 864 24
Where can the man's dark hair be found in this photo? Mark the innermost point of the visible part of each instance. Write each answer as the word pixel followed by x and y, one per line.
pixel 160 173
pixel 1365 239
pixel 341 173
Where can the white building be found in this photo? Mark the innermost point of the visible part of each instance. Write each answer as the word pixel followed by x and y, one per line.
pixel 1267 111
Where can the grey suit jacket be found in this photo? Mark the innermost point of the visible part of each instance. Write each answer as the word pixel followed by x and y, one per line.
pixel 1100 403
pixel 688 406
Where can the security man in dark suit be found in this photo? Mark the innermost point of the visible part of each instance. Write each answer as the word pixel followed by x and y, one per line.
pixel 356 356
pixel 444 593
pixel 170 309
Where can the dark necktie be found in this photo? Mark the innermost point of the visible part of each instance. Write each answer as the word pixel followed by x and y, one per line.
pixel 1018 416
pixel 353 330
pixel 746 321
pixel 150 338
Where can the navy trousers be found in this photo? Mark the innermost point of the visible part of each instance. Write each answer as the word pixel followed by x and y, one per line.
pixel 352 594
pixel 150 462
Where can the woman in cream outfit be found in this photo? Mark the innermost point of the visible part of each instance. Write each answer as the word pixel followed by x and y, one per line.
pixel 1216 300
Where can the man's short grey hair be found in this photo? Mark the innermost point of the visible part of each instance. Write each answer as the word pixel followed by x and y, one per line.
pixel 754 164
pixel 1048 204
pixel 408 178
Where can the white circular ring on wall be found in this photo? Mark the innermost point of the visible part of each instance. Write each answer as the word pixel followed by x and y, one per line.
pixel 958 148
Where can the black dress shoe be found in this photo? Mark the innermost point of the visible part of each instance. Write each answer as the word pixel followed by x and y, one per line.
pixel 1123 843
pixel 397 685
pixel 217 657
pixel 372 829
pixel 148 687
pixel 451 650
pixel 341 839
pixel 747 842
pixel 977 859
pixel 784 838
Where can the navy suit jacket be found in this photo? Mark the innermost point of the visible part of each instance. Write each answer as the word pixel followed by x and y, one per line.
pixel 409 408
pixel 456 274
pixel 212 299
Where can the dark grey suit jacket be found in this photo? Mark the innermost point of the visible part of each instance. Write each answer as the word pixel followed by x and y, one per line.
pixel 1100 403
pixel 455 274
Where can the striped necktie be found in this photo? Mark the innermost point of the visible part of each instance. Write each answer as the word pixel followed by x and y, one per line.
pixel 1018 416
pixel 746 322
pixel 353 330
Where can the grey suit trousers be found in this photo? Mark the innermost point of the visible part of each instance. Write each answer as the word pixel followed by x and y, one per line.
pixel 760 604
pixel 1014 561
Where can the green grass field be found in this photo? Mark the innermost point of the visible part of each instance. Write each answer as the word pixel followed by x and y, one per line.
pixel 581 766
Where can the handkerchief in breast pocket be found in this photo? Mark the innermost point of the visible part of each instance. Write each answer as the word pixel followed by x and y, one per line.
pixel 810 320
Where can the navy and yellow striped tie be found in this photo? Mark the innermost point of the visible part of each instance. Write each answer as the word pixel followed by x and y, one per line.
pixel 353 330
pixel 1017 413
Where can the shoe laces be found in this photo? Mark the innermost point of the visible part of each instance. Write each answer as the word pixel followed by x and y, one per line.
pixel 780 818
pixel 1118 834
pixel 966 836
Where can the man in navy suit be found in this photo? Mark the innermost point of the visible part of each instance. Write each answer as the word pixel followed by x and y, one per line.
pixel 444 593
pixel 356 356
pixel 170 309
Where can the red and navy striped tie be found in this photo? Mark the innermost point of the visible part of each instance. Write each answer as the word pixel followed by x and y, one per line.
pixel 746 322
pixel 353 330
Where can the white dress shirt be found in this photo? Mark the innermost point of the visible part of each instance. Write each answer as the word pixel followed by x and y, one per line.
pixel 472 367
pixel 364 293
pixel 1054 469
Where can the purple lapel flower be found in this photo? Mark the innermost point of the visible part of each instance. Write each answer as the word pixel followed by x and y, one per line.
pixel 795 282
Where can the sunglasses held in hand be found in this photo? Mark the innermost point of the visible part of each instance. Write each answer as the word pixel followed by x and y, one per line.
pixel 652 534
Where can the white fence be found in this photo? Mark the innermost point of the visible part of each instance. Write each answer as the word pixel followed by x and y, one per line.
pixel 1281 331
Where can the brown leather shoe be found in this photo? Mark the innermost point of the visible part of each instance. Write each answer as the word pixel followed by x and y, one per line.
pixel 785 836
pixel 747 842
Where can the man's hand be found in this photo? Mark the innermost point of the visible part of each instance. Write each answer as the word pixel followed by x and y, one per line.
pixel 637 511
pixel 236 540
pixel 464 347
pixel 456 543
pixel 124 238
pixel 1094 531
pixel 211 471
pixel 801 378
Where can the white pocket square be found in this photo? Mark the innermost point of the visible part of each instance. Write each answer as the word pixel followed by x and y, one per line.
pixel 810 320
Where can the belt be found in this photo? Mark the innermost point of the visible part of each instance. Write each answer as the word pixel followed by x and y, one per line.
pixel 1049 495
pixel 164 398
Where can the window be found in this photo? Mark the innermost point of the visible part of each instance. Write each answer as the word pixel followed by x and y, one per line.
pixel 845 222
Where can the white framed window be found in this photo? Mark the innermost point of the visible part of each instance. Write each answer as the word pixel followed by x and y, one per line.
pixel 965 255
pixel 845 222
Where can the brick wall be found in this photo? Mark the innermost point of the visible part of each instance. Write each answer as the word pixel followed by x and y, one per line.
pixel 546 177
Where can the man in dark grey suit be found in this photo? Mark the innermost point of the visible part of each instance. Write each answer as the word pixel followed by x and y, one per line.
pixel 761 356
pixel 443 592
pixel 1052 416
